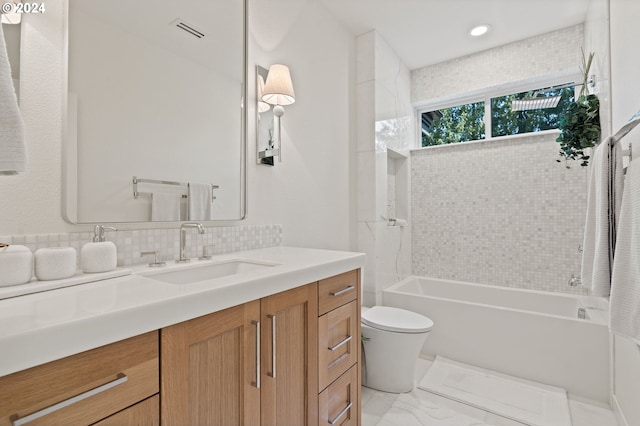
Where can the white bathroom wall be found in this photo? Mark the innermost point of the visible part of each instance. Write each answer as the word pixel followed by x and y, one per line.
pixel 385 130
pixel 311 193
pixel 625 101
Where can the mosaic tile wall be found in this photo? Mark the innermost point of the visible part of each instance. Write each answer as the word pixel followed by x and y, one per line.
pixel 542 55
pixel 130 243
pixel 391 188
pixel 500 212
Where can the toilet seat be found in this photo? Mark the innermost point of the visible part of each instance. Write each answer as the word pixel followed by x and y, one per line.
pixel 396 320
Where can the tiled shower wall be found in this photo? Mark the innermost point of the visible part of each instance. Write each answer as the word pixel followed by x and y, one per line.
pixel 130 243
pixel 543 55
pixel 500 212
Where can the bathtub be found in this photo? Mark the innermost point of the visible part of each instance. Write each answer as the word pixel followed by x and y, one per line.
pixel 535 335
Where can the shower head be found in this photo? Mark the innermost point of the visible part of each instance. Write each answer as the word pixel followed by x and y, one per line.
pixel 535 103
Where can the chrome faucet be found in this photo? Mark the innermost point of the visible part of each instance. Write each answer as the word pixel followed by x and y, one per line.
pixel 183 238
pixel 574 281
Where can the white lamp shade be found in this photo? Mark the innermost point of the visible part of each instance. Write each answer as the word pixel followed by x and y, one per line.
pixel 278 90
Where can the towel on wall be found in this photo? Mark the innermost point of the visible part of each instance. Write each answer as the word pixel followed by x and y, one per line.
pixel 165 206
pixel 200 197
pixel 12 150
pixel 624 309
pixel 603 205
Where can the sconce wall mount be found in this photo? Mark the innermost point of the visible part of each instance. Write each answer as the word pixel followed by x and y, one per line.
pixel 273 88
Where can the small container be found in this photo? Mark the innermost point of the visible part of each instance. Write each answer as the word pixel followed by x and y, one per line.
pixel 16 265
pixel 55 263
pixel 98 257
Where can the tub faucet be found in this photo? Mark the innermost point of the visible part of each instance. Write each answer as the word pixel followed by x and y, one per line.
pixel 183 238
pixel 574 281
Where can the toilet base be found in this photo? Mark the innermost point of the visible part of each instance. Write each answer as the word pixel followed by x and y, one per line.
pixel 390 359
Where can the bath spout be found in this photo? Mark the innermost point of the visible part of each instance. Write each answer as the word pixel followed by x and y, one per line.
pixel 574 281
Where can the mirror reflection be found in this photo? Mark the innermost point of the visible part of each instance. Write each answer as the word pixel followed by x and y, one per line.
pixel 155 111
pixel 265 123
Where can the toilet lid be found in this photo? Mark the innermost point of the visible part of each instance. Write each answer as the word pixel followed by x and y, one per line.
pixel 394 319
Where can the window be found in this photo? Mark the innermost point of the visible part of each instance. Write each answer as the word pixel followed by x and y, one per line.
pixel 460 123
pixel 505 121
pixel 493 116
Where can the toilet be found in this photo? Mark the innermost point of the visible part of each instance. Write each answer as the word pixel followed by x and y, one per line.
pixel 392 339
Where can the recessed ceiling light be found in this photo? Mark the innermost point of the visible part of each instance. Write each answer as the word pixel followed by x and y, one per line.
pixel 479 30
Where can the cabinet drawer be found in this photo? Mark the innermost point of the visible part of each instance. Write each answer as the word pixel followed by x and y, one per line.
pixel 338 404
pixel 145 413
pixel 83 388
pixel 338 342
pixel 337 290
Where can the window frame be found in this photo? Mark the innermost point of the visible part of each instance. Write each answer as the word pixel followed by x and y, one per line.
pixel 485 95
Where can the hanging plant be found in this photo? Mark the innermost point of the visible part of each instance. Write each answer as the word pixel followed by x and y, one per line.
pixel 580 125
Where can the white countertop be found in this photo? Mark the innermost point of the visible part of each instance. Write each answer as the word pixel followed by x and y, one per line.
pixel 42 327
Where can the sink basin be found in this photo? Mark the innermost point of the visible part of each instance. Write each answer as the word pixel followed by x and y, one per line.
pixel 209 271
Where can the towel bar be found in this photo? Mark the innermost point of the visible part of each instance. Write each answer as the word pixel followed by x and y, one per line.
pixel 137 180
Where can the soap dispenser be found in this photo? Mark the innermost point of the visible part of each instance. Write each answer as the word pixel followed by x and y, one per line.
pixel 99 255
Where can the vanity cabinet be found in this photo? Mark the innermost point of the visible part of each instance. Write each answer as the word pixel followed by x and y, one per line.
pixel 85 388
pixel 291 358
pixel 247 365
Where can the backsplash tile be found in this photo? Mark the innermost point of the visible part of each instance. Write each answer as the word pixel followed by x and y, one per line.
pixel 500 212
pixel 130 243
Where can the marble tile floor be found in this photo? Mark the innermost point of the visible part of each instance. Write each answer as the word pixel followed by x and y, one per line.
pixel 375 405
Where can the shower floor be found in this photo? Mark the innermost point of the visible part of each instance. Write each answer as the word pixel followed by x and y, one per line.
pixel 420 407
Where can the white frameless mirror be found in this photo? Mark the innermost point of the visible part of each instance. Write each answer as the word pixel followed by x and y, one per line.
pixel 155 110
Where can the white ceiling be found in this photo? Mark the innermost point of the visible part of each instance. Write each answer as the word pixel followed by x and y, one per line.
pixel 426 32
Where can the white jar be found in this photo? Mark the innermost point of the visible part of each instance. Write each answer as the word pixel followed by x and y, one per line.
pixel 98 257
pixel 55 263
pixel 16 265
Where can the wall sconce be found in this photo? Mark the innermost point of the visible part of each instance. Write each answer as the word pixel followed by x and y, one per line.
pixel 273 87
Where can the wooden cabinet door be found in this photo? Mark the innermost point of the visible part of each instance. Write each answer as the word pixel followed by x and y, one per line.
pixel 209 367
pixel 290 357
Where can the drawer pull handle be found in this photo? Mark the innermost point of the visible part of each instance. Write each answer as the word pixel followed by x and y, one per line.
pixel 257 382
pixel 340 343
pixel 343 291
pixel 273 346
pixel 122 378
pixel 340 414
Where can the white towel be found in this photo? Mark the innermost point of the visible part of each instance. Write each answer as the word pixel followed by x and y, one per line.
pixel 200 201
pixel 12 150
pixel 603 200
pixel 165 206
pixel 625 284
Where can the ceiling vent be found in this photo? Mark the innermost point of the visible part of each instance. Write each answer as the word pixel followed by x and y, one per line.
pixel 188 28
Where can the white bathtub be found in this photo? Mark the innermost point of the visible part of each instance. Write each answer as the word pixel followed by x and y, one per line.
pixel 530 334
